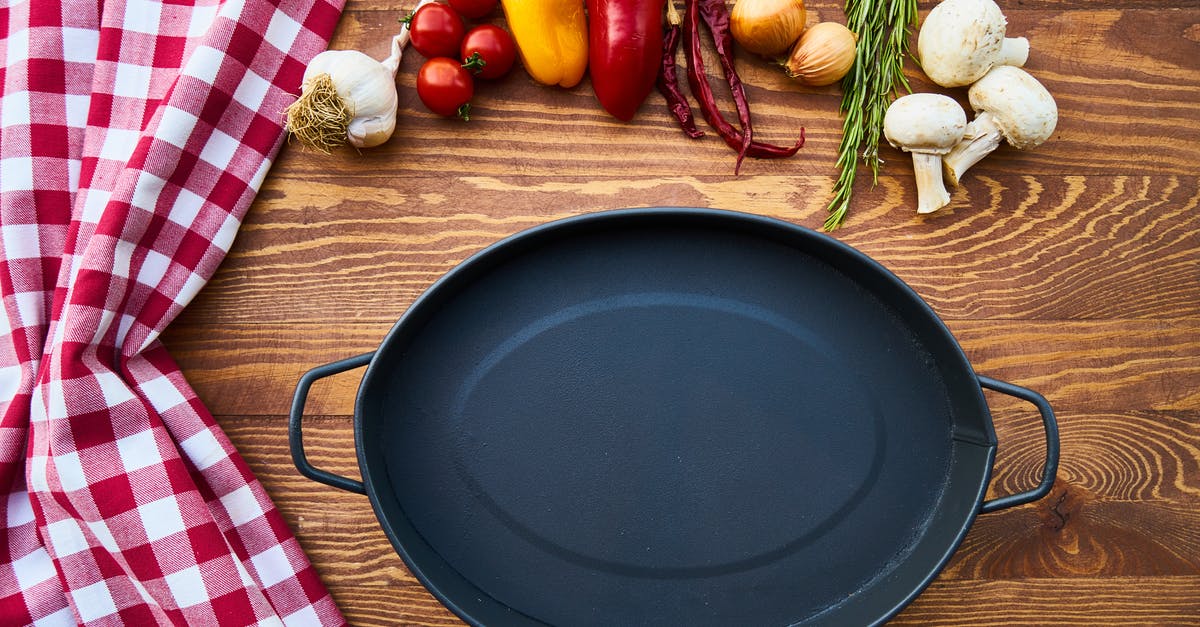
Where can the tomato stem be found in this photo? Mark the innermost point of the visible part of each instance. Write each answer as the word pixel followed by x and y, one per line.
pixel 464 112
pixel 474 63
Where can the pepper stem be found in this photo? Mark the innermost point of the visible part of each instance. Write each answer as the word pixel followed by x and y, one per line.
pixel 673 17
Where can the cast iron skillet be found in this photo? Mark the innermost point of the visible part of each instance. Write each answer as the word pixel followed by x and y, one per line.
pixel 672 417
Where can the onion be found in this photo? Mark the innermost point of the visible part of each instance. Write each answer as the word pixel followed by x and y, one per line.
pixel 767 27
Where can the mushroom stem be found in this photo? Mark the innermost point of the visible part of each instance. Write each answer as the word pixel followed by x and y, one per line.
pixel 982 137
pixel 931 192
pixel 1013 51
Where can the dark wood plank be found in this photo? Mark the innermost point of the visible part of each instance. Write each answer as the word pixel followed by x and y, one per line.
pixel 347 248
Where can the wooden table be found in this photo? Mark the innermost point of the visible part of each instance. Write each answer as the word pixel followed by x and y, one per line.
pixel 1073 269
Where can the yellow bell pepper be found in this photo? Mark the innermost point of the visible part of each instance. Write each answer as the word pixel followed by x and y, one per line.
pixel 552 38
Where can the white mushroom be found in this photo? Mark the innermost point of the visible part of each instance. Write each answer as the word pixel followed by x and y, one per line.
pixel 927 125
pixel 962 39
pixel 1009 104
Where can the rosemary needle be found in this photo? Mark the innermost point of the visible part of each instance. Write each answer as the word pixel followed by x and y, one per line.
pixel 883 27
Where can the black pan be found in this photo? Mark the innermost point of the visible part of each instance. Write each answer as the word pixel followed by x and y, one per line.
pixel 672 417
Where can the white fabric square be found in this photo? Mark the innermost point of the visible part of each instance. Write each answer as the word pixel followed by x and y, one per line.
pixel 164 395
pixel 115 391
pixel 132 81
pixel 306 617
pixel 67 537
pixel 187 586
pixel 70 471
pixel 154 268
pixel 17 46
pixel 58 400
pixel 176 126
pixel 219 149
pixel 252 90
pixel 29 307
pixel 105 537
pixel 190 288
pixel 80 44
pixel 185 209
pixel 138 451
pixel 20 510
pixel 202 449
pixel 14 109
pixel 204 64
pixel 142 16
pixel 224 236
pixel 17 173
pixel 77 112
pixel 93 207
pixel 10 376
pixel 62 618
pixel 270 621
pixel 147 189
pixel 241 505
pixel 203 16
pixel 282 31
pixel 272 566
pixel 118 142
pixel 20 240
pixel 122 258
pixel 33 568
pixel 93 602
pixel 37 463
pixel 161 518
pixel 123 328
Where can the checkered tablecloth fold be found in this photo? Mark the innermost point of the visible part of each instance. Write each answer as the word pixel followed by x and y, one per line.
pixel 133 136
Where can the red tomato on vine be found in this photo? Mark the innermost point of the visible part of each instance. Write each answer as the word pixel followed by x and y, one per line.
pixel 436 30
pixel 445 87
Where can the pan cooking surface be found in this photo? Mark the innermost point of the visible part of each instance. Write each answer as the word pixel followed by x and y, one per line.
pixel 660 423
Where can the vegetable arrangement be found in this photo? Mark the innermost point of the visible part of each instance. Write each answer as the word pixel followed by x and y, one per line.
pixel 628 48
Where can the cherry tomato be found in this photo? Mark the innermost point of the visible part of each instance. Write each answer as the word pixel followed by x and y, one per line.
pixel 445 87
pixel 494 46
pixel 474 9
pixel 436 30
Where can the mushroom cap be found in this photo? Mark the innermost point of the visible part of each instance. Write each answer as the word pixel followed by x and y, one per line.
pixel 930 123
pixel 1019 105
pixel 960 41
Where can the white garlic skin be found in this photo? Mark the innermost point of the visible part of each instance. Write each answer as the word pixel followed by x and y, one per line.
pixel 367 89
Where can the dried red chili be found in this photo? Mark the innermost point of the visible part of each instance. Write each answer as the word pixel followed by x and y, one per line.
pixel 668 81
pixel 708 107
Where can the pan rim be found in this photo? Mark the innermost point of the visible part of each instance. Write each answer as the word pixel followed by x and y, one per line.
pixel 825 245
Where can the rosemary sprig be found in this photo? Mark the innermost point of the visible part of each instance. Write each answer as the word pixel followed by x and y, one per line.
pixel 882 27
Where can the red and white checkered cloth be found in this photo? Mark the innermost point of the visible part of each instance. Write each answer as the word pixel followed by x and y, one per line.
pixel 133 137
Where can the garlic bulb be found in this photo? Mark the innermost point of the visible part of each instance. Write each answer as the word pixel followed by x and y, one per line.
pixel 346 96
pixel 823 55
pixel 767 27
pixel 366 89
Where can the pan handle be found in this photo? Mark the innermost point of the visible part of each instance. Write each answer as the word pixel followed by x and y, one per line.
pixel 1051 426
pixel 295 437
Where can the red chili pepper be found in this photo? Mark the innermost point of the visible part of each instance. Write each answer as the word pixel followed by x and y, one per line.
pixel 668 81
pixel 716 17
pixel 624 51
pixel 708 106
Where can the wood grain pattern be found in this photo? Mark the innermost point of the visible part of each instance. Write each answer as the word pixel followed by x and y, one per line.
pixel 1073 269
